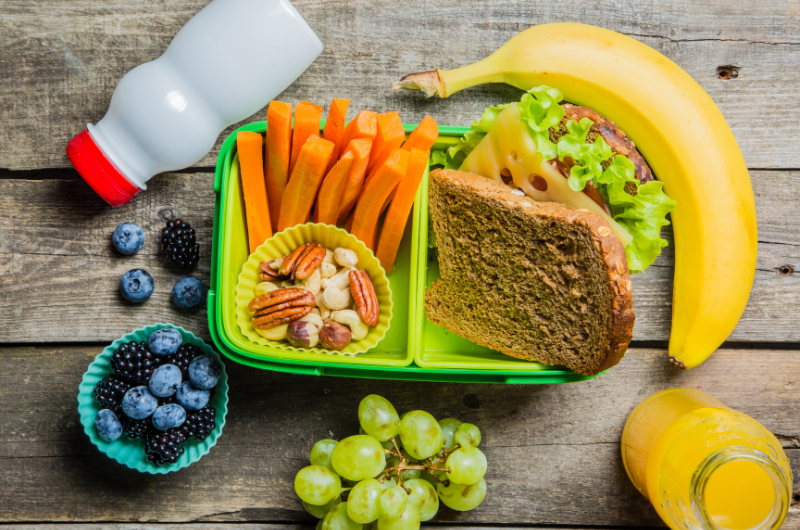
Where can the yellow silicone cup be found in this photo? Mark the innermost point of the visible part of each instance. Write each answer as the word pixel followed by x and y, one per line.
pixel 329 237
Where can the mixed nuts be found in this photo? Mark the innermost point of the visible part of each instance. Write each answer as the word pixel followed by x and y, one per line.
pixel 315 296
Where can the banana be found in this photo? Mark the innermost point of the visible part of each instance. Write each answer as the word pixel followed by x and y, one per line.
pixel 683 136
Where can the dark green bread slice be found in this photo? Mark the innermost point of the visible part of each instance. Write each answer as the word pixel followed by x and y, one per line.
pixel 534 280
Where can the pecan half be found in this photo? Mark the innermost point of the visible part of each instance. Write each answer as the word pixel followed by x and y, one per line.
pixel 268 274
pixel 309 262
pixel 280 306
pixel 366 299
pixel 290 259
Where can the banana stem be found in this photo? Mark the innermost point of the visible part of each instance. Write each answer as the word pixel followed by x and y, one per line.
pixel 445 83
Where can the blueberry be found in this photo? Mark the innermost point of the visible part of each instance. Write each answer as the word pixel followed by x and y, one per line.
pixel 188 292
pixel 165 341
pixel 204 372
pixel 108 426
pixel 169 416
pixel 192 398
pixel 165 380
pixel 136 285
pixel 128 238
pixel 138 403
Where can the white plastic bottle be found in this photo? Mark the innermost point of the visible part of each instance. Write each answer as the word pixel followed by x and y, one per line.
pixel 227 62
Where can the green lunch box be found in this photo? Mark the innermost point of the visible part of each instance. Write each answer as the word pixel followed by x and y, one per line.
pixel 413 349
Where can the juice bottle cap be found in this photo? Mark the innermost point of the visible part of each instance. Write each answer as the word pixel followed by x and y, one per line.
pixel 98 171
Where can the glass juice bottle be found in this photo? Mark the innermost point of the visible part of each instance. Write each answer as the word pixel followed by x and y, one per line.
pixel 703 465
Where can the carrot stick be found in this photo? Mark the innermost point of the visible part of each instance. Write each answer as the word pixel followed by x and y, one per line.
pixel 279 149
pixel 355 180
pixel 365 125
pixel 306 123
pixel 334 128
pixel 374 194
pixel 256 207
pixel 301 191
pixel 329 201
pixel 390 135
pixel 394 224
pixel 424 136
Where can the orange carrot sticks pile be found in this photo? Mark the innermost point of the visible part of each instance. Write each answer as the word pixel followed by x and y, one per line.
pixel 363 174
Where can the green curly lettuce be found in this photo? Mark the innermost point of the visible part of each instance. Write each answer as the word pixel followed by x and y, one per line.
pixel 640 208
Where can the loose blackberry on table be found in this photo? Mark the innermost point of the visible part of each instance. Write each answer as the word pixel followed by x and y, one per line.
pixel 179 245
pixel 134 363
pixel 108 393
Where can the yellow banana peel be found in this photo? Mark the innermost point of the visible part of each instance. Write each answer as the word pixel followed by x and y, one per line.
pixel 683 136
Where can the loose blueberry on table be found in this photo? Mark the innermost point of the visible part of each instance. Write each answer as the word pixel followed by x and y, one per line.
pixel 128 238
pixel 136 285
pixel 188 292
pixel 151 398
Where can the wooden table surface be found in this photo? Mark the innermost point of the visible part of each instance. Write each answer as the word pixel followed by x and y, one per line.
pixel 553 450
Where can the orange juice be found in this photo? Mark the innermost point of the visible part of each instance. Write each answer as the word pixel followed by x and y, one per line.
pixel 703 465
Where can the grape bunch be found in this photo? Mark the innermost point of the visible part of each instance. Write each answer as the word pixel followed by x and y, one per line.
pixel 392 475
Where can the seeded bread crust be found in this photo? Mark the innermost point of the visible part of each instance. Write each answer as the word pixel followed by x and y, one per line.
pixel 575 309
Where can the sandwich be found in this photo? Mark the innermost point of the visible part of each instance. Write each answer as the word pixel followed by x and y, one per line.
pixel 539 215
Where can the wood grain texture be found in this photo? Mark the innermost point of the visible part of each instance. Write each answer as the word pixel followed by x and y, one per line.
pixel 60 61
pixel 59 273
pixel 553 451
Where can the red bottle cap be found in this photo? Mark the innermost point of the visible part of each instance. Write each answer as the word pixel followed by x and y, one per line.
pixel 98 171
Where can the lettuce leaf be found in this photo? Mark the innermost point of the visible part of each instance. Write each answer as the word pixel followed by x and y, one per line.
pixel 455 155
pixel 642 214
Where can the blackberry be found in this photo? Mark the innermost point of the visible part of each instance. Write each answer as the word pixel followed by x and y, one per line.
pixel 164 447
pixel 134 363
pixel 199 423
pixel 108 394
pixel 183 358
pixel 179 245
pixel 136 429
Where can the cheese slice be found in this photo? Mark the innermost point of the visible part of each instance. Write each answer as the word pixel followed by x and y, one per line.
pixel 509 149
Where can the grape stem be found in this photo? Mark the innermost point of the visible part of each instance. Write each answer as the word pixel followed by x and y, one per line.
pixel 404 465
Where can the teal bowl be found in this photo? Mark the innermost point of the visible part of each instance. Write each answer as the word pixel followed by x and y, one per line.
pixel 131 452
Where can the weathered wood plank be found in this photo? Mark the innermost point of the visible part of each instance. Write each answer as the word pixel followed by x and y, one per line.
pixel 60 273
pixel 553 457
pixel 61 61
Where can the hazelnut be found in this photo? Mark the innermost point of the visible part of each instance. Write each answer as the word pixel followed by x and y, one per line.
pixel 334 336
pixel 303 334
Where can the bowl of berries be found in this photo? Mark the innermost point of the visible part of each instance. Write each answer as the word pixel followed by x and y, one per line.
pixel 155 400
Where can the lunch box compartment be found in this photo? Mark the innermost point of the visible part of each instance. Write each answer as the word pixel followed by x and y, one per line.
pixel 413 348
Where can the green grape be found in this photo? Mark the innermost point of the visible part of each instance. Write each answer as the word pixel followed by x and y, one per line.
pixel 317 485
pixel 378 417
pixel 424 497
pixel 321 453
pixel 385 444
pixel 449 426
pixel 467 465
pixel 321 511
pixel 421 434
pixel 393 501
pixel 362 503
pixel 468 435
pixel 460 497
pixel 337 519
pixel 319 525
pixel 393 461
pixel 358 457
pixel 408 520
